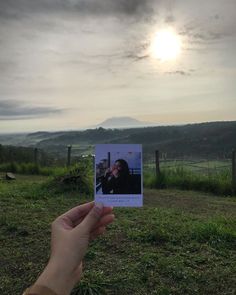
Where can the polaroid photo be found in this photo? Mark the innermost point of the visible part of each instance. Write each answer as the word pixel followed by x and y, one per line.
pixel 118 175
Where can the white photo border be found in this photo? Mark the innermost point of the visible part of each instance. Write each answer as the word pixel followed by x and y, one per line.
pixel 119 200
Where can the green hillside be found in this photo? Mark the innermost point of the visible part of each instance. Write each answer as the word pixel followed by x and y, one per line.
pixel 204 140
pixel 212 140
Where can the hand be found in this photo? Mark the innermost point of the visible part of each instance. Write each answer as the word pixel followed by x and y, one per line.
pixel 115 172
pixel 71 233
pixel 107 172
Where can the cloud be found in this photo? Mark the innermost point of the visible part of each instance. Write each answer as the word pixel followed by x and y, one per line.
pixel 197 36
pixel 170 19
pixel 15 110
pixel 208 36
pixel 179 72
pixel 7 65
pixel 127 7
pixel 15 9
pixel 135 57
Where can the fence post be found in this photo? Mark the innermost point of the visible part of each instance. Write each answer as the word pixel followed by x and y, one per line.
pixel 36 156
pixel 108 159
pixel 157 163
pixel 1 154
pixel 233 171
pixel 68 155
pixel 11 155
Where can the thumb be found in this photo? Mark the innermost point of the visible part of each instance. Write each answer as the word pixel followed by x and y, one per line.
pixel 93 217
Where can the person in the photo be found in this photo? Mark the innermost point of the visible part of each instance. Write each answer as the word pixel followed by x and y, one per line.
pixel 117 179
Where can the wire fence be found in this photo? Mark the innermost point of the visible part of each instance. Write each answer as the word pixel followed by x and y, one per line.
pixel 204 166
pixel 218 168
pixel 215 167
pixel 155 164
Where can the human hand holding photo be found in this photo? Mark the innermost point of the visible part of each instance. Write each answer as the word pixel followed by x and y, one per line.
pixel 112 171
pixel 108 172
pixel 115 171
pixel 71 233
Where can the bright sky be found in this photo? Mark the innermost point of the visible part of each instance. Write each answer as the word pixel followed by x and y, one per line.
pixel 69 64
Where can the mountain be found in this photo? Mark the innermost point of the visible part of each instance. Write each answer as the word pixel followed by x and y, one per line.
pixel 123 122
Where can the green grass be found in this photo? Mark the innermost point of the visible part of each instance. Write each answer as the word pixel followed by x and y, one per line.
pixel 184 178
pixel 31 168
pixel 180 242
pixel 34 169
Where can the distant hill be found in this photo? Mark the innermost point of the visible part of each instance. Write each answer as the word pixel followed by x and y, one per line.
pixel 123 122
pixel 215 139
pixel 208 140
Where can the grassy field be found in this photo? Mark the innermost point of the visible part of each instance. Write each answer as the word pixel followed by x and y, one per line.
pixel 180 242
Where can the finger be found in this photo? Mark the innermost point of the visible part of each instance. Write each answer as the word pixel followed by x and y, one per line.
pixel 105 220
pixel 67 219
pixel 92 218
pixel 99 231
pixel 106 210
pixel 77 212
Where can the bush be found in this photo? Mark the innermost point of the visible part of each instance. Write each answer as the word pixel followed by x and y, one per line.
pixel 78 177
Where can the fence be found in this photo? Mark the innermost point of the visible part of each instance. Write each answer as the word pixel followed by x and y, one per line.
pixel 199 165
pixel 155 164
pixel 203 166
pixel 14 154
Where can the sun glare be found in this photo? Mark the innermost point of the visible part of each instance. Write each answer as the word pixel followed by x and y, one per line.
pixel 165 45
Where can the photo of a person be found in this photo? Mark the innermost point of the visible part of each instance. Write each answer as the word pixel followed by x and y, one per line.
pixel 117 179
pixel 118 173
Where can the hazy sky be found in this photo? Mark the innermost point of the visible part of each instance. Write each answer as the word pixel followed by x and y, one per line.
pixel 67 64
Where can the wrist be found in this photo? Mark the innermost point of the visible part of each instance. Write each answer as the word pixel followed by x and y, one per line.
pixel 56 279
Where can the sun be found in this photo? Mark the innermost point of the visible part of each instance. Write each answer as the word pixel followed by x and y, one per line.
pixel 165 45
